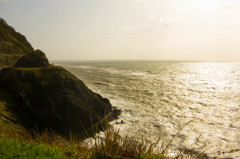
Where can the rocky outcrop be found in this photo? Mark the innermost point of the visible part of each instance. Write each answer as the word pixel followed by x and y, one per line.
pixel 46 96
pixel 35 59
pixel 13 45
pixel 53 98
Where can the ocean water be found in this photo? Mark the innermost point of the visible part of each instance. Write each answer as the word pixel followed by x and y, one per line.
pixel 158 98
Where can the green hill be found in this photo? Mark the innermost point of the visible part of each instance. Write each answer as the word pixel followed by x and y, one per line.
pixel 13 45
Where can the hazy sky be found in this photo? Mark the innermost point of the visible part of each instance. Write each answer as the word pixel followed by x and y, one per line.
pixel 129 29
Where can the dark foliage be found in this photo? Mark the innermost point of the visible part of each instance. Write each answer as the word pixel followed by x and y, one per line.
pixel 35 59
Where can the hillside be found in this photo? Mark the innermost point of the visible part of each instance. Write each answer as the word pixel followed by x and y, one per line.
pixel 53 98
pixel 45 111
pixel 46 97
pixel 13 45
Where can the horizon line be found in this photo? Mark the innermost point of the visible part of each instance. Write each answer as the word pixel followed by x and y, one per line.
pixel 137 60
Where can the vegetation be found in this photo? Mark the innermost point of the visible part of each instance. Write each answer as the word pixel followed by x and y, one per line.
pixel 51 97
pixel 12 42
pixel 16 141
pixel 31 88
pixel 50 145
pixel 23 150
pixel 13 45
pixel 35 59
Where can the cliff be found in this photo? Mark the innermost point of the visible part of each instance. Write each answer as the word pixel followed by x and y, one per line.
pixel 13 45
pixel 53 98
pixel 48 97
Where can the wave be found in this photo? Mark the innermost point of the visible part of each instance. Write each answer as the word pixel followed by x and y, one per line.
pixel 159 99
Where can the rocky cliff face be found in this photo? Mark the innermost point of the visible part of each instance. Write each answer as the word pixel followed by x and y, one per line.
pixel 53 98
pixel 13 45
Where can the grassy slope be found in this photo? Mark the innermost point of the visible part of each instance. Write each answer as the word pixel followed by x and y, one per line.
pixel 23 150
pixel 12 45
pixel 6 118
pixel 16 142
pixel 12 42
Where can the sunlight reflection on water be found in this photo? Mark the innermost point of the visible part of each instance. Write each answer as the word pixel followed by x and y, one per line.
pixel 158 98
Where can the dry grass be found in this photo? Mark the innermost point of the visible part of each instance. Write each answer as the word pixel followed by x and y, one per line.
pixel 111 146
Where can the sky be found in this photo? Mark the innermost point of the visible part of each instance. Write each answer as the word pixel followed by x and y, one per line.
pixel 189 30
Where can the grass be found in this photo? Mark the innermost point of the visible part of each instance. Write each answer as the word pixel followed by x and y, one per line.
pixel 24 150
pixel 45 145
pixel 8 60
pixel 17 142
pixel 13 45
pixel 24 144
pixel 12 42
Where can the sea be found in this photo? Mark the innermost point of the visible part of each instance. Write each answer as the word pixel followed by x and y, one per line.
pixel 196 103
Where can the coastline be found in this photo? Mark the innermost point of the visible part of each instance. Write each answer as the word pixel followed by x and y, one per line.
pixel 102 124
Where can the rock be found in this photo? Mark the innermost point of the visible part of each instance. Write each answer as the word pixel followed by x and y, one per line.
pixel 45 96
pixel 35 59
pixel 53 98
